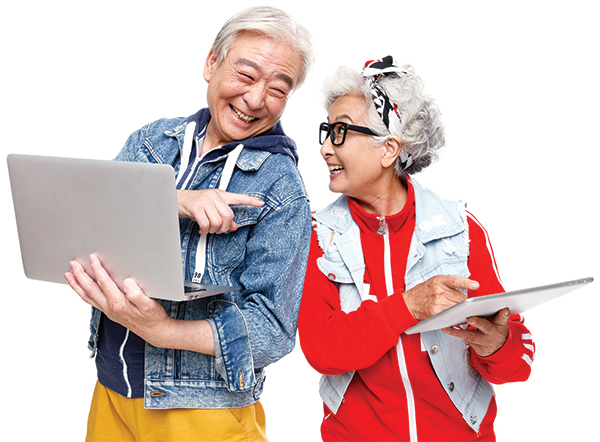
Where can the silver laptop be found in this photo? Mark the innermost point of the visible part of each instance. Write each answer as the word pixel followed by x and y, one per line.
pixel 126 213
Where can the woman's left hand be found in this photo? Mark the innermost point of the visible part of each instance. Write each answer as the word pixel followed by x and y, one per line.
pixel 132 309
pixel 488 336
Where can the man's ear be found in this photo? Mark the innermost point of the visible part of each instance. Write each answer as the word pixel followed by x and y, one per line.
pixel 391 150
pixel 209 65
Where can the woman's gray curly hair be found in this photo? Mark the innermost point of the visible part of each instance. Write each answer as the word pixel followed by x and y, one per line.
pixel 422 128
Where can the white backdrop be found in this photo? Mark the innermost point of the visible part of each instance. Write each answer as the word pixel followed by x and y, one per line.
pixel 517 85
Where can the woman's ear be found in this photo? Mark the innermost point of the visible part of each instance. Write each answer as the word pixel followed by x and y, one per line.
pixel 391 150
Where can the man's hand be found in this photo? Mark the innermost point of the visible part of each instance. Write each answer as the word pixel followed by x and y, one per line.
pixel 437 294
pixel 135 311
pixel 210 208
pixel 132 309
pixel 485 337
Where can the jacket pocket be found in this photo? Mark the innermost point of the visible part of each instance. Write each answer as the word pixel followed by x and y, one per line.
pixel 228 251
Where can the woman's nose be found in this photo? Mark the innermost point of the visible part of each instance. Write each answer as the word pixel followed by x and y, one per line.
pixel 327 148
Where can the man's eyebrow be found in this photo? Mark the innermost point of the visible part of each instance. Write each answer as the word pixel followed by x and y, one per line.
pixel 284 77
pixel 249 63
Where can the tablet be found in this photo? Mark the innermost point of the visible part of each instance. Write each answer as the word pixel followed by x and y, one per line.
pixel 518 301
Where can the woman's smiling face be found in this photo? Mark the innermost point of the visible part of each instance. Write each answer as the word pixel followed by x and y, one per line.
pixel 355 166
pixel 249 89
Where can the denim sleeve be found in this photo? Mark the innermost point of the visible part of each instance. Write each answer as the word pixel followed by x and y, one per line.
pixel 263 328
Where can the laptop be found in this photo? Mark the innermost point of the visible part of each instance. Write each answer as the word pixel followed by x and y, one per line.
pixel 518 301
pixel 126 213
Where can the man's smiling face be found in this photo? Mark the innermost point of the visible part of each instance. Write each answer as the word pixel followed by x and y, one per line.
pixel 249 89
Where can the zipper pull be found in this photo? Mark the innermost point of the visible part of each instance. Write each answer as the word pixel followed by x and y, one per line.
pixel 382 226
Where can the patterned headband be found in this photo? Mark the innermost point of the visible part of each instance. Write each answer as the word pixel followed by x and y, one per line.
pixel 373 71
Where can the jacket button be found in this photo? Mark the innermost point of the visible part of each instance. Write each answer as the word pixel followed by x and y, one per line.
pixel 331 277
pixel 451 386
pixel 434 349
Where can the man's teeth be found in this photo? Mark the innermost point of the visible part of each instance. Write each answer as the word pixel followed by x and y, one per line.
pixel 242 116
pixel 335 169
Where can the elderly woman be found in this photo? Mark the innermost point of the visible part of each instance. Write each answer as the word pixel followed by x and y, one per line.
pixel 387 254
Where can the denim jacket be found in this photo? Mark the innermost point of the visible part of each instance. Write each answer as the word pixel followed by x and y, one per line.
pixel 439 246
pixel 254 326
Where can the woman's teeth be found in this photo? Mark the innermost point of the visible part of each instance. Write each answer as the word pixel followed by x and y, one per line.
pixel 335 169
pixel 242 116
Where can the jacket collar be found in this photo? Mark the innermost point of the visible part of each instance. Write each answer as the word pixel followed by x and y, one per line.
pixel 256 150
pixel 274 140
pixel 435 218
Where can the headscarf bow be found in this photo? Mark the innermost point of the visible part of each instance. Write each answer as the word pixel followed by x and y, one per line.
pixel 373 71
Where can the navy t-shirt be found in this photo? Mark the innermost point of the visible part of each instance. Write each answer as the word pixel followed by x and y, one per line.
pixel 120 359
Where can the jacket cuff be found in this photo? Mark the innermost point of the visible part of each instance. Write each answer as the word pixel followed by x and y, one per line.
pixel 233 353
pixel 219 365
pixel 397 314
pixel 505 353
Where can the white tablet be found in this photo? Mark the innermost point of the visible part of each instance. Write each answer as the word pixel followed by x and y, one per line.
pixel 518 301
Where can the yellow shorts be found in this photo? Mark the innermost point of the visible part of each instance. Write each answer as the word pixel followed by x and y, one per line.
pixel 116 418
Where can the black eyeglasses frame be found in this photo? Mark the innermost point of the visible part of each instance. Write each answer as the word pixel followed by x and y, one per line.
pixel 328 130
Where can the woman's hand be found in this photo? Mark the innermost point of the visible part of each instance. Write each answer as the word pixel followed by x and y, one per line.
pixel 210 208
pixel 488 336
pixel 437 294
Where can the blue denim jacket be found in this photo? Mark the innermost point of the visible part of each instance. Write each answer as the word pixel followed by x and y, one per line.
pixel 439 245
pixel 254 326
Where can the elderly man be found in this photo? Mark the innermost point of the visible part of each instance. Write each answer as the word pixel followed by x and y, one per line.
pixel 194 370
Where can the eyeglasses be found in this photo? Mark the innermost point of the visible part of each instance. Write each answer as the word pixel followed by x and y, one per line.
pixel 338 131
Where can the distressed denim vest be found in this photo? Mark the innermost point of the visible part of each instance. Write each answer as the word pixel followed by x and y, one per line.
pixel 440 245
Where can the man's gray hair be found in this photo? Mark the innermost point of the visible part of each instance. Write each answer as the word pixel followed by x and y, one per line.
pixel 271 22
pixel 422 128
